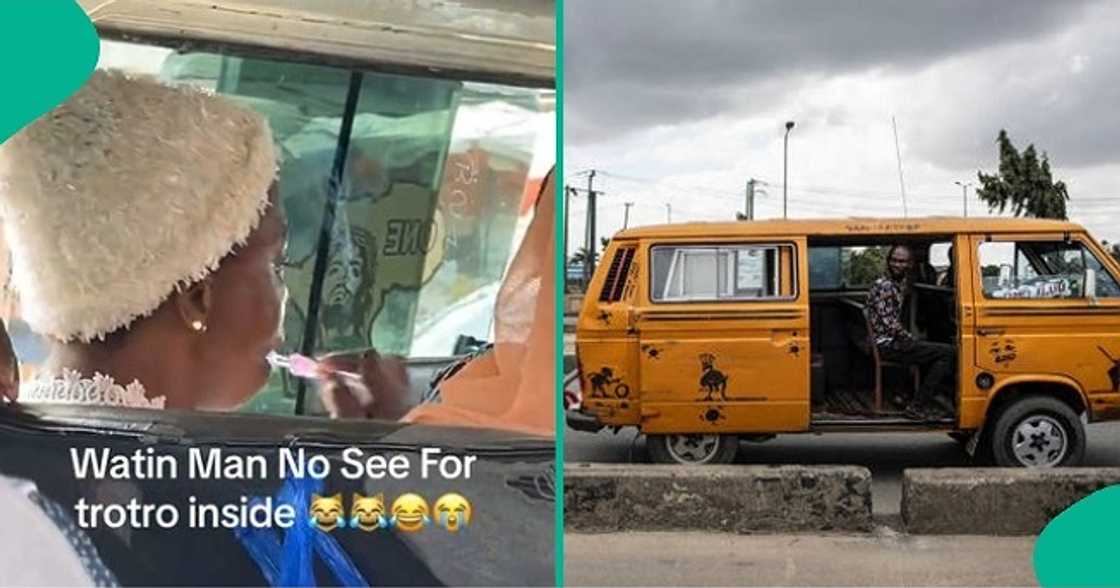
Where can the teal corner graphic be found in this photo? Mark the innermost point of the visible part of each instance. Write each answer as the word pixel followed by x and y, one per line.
pixel 1076 548
pixel 50 49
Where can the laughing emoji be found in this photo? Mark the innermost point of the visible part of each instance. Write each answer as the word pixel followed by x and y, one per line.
pixel 368 512
pixel 410 513
pixel 453 512
pixel 326 512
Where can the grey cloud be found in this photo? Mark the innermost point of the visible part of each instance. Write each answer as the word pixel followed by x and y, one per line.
pixel 632 63
pixel 1074 118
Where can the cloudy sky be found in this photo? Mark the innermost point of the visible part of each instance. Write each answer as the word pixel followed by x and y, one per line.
pixel 680 102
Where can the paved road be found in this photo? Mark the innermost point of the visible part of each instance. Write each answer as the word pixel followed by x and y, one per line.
pixel 885 454
pixel 724 559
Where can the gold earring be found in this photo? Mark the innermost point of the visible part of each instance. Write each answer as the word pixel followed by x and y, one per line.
pixel 199 326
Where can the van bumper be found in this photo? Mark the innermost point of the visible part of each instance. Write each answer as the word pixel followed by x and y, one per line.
pixel 581 421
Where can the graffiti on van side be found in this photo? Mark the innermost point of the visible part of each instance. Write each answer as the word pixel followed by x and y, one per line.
pixel 604 318
pixel 1114 371
pixel 795 349
pixel 713 414
pixel 711 379
pixel 603 378
pixel 1003 352
pixel 877 227
pixel 652 351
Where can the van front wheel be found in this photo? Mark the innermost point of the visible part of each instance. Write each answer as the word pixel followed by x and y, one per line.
pixel 1038 431
pixel 693 449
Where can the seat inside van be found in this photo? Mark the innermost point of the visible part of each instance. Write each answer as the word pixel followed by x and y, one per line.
pixel 844 363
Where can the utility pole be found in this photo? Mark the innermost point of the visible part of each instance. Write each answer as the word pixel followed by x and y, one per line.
pixel 568 190
pixel 964 195
pixel 626 215
pixel 589 265
pixel 749 212
pixel 668 212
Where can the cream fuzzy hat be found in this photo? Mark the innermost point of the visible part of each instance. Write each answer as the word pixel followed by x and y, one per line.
pixel 124 193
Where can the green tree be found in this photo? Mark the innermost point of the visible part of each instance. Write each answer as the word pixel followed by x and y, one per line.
pixel 866 266
pixel 579 256
pixel 1024 183
pixel 1113 250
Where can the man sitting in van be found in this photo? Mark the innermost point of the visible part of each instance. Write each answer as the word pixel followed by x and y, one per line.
pixel 896 343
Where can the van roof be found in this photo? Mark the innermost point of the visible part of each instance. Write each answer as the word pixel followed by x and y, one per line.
pixel 852 227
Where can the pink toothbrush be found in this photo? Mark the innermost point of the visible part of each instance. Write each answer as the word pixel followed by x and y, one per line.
pixel 302 366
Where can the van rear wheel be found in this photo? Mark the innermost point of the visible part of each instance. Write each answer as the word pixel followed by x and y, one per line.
pixel 1038 431
pixel 693 449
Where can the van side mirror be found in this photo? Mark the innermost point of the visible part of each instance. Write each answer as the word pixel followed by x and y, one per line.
pixel 1090 286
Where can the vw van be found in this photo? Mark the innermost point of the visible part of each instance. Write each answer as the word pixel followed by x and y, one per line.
pixel 705 334
pixel 444 114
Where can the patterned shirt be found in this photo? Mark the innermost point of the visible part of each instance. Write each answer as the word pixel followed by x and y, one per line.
pixel 884 310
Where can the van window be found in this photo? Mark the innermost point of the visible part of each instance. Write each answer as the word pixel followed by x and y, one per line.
pixel 834 267
pixel 1041 269
pixel 735 272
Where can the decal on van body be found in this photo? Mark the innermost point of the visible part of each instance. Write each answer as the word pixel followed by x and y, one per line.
pixel 1003 352
pixel 711 379
pixel 882 227
pixel 1114 371
pixel 713 414
pixel 605 377
pixel 652 351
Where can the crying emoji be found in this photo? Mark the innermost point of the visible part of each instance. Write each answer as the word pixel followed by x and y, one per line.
pixel 410 513
pixel 368 512
pixel 453 512
pixel 326 512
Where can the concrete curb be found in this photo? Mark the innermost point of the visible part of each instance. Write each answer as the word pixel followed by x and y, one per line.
pixel 741 499
pixel 994 501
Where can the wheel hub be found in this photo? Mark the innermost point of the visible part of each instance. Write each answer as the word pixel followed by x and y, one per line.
pixel 1040 441
pixel 693 448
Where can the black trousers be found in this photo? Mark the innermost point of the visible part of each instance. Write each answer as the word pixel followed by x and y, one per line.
pixel 937 361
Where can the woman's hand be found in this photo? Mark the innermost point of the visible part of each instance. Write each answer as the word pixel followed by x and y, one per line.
pixel 386 378
pixel 9 367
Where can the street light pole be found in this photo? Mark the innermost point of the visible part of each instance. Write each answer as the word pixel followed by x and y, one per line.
pixel 668 212
pixel 785 170
pixel 626 218
pixel 964 195
pixel 589 265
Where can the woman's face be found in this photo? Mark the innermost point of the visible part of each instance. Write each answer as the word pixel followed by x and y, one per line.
pixel 247 301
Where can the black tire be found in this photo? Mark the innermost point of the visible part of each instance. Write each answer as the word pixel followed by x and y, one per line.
pixel 713 448
pixel 1049 421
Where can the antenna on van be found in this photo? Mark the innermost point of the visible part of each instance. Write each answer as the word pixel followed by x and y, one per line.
pixel 898 155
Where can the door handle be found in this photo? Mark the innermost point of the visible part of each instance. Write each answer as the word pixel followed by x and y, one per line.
pixel 989 332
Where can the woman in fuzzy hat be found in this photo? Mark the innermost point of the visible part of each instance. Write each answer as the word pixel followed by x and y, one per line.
pixel 146 238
